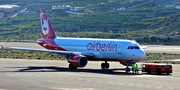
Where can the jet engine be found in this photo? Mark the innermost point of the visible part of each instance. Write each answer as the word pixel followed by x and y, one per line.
pixel 78 61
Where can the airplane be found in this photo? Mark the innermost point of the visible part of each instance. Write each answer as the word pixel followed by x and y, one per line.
pixel 81 50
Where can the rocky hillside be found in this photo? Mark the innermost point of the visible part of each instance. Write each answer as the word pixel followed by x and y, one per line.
pixel 167 25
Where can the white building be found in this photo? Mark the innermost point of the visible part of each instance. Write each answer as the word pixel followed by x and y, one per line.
pixel 9 8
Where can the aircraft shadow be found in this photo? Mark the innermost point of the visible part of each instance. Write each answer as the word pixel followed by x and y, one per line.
pixel 116 71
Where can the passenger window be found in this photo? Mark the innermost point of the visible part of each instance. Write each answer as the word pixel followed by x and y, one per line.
pixel 129 47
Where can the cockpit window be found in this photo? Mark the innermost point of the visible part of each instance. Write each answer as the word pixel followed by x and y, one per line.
pixel 133 47
pixel 136 47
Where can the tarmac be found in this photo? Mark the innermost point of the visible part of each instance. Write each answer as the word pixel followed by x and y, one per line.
pixel 22 74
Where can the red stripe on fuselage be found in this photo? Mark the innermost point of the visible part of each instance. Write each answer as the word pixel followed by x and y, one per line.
pixel 2 47
pixel 123 62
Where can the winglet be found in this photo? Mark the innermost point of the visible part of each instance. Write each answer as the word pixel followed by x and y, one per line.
pixel 4 48
pixel 144 47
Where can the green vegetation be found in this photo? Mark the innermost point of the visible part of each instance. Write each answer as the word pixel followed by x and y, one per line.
pixel 102 21
pixel 161 56
pixel 99 4
pixel 30 55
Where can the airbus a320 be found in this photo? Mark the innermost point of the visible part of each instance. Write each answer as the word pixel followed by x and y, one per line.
pixel 81 50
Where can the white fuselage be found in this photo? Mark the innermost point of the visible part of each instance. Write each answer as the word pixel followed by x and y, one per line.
pixel 112 49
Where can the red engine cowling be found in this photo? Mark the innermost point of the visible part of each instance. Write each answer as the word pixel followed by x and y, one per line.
pixel 78 61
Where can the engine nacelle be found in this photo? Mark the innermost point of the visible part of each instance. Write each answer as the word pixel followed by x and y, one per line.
pixel 78 61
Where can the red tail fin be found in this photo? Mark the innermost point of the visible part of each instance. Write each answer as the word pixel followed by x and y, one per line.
pixel 47 30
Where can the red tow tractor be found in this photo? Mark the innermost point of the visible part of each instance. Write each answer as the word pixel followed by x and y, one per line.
pixel 157 68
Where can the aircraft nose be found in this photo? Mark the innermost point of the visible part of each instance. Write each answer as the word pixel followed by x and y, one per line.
pixel 142 55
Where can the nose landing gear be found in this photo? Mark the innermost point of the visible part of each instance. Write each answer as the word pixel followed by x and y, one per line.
pixel 127 68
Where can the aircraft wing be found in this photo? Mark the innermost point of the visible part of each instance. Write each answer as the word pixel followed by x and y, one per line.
pixel 144 47
pixel 48 51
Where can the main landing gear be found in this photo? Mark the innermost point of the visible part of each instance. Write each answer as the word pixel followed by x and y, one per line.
pixel 127 68
pixel 105 65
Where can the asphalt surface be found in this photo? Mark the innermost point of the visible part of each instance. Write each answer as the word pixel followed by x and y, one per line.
pixel 20 44
pixel 22 74
pixel 163 49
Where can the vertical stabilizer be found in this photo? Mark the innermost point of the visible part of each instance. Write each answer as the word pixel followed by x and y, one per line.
pixel 47 30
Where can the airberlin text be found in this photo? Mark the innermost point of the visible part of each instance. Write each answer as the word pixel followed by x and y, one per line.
pixel 111 47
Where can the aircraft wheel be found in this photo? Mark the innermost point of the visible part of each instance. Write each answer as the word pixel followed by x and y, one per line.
pixel 127 70
pixel 107 65
pixel 148 70
pixel 103 65
pixel 167 73
pixel 158 71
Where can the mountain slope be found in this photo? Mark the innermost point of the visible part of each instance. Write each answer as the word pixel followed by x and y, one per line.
pixel 167 25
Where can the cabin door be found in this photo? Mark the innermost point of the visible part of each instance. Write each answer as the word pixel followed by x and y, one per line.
pixel 120 48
